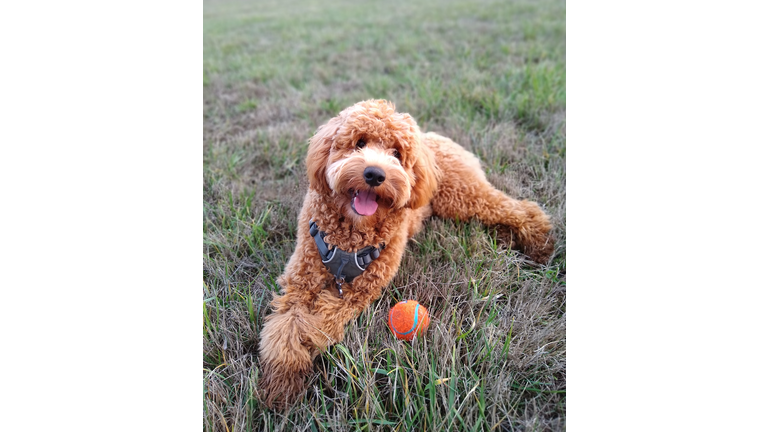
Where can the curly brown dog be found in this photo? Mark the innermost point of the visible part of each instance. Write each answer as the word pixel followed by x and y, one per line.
pixel 373 178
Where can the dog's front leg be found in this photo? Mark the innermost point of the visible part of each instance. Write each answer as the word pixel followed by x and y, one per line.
pixel 293 336
pixel 290 338
pixel 307 319
pixel 334 312
pixel 286 352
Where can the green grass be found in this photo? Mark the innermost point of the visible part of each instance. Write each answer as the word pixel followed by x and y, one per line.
pixel 489 75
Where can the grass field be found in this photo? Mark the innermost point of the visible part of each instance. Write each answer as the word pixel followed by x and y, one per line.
pixel 488 74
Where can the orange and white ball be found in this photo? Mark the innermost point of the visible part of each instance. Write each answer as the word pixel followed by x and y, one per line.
pixel 408 319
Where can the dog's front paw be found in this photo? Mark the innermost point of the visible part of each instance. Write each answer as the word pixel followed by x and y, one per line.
pixel 280 385
pixel 286 354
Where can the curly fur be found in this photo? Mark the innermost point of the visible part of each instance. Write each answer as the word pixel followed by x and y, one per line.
pixel 425 174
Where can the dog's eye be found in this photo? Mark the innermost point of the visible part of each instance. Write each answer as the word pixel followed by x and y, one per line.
pixel 360 144
pixel 396 154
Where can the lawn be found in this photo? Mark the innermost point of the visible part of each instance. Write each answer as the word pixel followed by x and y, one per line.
pixel 488 74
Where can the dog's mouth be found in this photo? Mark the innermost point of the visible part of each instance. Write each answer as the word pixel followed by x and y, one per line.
pixel 364 202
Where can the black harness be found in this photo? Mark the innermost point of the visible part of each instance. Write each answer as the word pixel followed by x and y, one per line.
pixel 344 266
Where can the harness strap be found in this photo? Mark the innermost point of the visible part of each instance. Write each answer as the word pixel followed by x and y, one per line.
pixel 319 237
pixel 339 275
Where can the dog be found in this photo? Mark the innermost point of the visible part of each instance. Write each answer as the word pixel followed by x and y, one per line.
pixel 373 179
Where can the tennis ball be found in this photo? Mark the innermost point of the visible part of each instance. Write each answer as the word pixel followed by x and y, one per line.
pixel 408 319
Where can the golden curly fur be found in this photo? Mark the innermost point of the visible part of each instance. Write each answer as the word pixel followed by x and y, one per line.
pixel 423 174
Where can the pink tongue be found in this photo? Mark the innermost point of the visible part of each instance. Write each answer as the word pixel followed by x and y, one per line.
pixel 365 203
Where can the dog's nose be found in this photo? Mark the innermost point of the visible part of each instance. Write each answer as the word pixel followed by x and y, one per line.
pixel 374 176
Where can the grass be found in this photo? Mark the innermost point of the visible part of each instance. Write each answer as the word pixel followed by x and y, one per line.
pixel 490 75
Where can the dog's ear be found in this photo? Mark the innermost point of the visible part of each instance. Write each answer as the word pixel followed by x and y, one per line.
pixel 427 175
pixel 318 153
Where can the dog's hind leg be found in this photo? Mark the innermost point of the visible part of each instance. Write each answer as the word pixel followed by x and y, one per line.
pixel 465 193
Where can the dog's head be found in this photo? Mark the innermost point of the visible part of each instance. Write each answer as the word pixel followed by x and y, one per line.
pixel 371 160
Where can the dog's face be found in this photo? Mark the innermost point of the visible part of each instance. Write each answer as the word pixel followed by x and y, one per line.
pixel 370 160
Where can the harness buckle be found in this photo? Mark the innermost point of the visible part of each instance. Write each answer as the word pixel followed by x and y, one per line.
pixel 339 281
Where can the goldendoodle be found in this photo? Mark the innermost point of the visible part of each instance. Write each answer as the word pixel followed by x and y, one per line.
pixel 373 178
